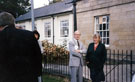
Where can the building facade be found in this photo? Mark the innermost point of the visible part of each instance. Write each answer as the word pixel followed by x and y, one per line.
pixel 114 20
pixel 54 22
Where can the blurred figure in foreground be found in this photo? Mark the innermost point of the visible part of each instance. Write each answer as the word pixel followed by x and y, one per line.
pixel 20 55
pixel 37 36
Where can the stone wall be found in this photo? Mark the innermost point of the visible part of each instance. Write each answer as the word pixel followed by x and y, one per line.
pixel 122 21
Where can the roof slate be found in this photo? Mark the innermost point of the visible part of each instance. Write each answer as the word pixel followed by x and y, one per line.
pixel 56 8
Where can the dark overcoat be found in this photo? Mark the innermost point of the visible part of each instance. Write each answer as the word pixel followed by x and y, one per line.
pixel 96 60
pixel 20 56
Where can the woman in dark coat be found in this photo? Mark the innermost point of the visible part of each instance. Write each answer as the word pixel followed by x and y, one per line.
pixel 95 59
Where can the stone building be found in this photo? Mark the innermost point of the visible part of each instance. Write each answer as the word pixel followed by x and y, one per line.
pixel 114 20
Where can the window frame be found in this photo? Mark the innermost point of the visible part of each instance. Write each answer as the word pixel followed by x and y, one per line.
pixel 49 24
pixel 103 31
pixel 64 27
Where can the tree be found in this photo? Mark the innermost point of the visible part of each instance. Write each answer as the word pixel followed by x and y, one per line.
pixel 55 1
pixel 15 7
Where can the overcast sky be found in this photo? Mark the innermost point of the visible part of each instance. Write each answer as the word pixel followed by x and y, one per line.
pixel 40 3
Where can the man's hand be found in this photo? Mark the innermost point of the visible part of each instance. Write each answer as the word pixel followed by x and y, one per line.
pixel 78 51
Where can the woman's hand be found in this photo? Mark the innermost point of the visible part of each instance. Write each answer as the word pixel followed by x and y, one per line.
pixel 87 62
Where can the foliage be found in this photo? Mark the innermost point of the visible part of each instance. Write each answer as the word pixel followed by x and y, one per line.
pixel 55 1
pixel 15 7
pixel 55 52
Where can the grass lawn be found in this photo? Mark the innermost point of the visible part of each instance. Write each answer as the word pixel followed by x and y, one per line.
pixel 52 78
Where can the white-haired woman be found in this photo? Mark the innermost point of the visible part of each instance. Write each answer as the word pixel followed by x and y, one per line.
pixel 95 58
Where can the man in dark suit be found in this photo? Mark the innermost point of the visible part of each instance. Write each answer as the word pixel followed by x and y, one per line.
pixel 20 55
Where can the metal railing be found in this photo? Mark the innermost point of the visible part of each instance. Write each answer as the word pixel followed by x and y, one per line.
pixel 118 66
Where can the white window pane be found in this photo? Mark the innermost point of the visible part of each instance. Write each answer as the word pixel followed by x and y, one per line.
pixel 104 19
pixel 104 27
pixel 101 33
pixel 108 41
pixel 107 33
pixel 100 27
pixel 104 40
pixel 104 33
pixel 97 20
pixel 64 28
pixel 97 27
pixel 48 29
pixel 107 26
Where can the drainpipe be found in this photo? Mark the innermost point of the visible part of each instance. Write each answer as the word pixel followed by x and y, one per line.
pixel 74 13
pixel 53 29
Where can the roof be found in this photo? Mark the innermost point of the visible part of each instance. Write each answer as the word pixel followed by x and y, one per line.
pixel 52 9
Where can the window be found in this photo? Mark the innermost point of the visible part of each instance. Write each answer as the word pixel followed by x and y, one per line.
pixel 48 29
pixel 102 28
pixel 64 28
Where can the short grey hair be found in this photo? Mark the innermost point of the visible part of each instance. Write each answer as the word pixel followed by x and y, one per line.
pixel 6 19
pixel 77 32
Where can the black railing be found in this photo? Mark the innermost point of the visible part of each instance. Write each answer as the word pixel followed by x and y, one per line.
pixel 118 67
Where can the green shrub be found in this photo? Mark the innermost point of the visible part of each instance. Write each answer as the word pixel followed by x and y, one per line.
pixel 55 53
